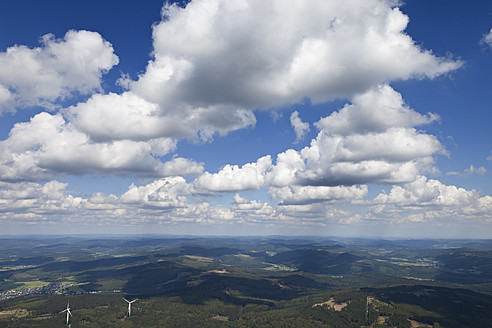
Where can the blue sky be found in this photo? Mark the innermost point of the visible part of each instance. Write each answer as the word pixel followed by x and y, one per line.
pixel 344 118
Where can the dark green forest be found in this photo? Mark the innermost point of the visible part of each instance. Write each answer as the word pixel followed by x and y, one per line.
pixel 245 282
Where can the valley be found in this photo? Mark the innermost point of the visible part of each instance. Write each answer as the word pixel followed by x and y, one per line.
pixel 245 282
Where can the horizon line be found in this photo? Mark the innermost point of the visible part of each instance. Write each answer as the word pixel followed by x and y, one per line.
pixel 190 236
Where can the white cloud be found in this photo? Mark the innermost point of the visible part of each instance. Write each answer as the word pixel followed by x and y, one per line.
pixel 31 190
pixel 166 202
pixel 423 192
pixel 116 117
pixel 469 171
pixel 393 145
pixel 234 178
pixel 179 166
pixel 162 146
pixel 315 214
pixel 393 156
pixel 128 116
pixel 165 193
pixel 36 200
pixel 48 146
pixel 208 73
pixel 60 67
pixel 203 213
pixel 300 127
pixel 348 151
pixel 357 145
pixel 489 158
pixel 208 121
pixel 283 173
pixel 304 182
pixel 162 201
pixel 429 199
pixel 485 206
pixel 299 195
pixel 246 209
pixel 6 99
pixel 54 189
pixel 487 39
pixel 376 110
pixel 475 170
pixel 282 53
pixel 213 63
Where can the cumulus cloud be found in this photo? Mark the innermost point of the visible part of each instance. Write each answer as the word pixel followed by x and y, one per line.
pixel 251 209
pixel 116 117
pixel 31 190
pixel 34 201
pixel 163 201
pixel 308 215
pixel 207 73
pixel 179 166
pixel 203 213
pixel 333 160
pixel 376 110
pixel 213 63
pixel 283 173
pixel 165 193
pixel 355 145
pixel 54 189
pixel 428 199
pixel 250 176
pixel 332 169
pixel 372 140
pixel 300 127
pixel 425 192
pixel 300 195
pixel 167 201
pixel 41 76
pixel 48 146
pixel 282 53
pixel 315 215
pixel 129 116
pixel 50 202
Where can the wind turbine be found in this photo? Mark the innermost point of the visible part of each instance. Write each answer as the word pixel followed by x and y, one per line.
pixel 69 314
pixel 130 306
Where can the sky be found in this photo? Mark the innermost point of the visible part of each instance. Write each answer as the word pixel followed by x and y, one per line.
pixel 351 118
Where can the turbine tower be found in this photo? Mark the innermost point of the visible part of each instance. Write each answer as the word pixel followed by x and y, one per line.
pixel 130 306
pixel 69 314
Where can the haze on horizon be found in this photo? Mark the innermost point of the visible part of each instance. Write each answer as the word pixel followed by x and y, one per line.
pixel 367 118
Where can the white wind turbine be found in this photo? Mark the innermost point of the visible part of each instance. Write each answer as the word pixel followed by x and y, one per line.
pixel 130 306
pixel 69 314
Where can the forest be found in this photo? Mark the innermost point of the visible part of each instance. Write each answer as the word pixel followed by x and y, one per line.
pixel 244 282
